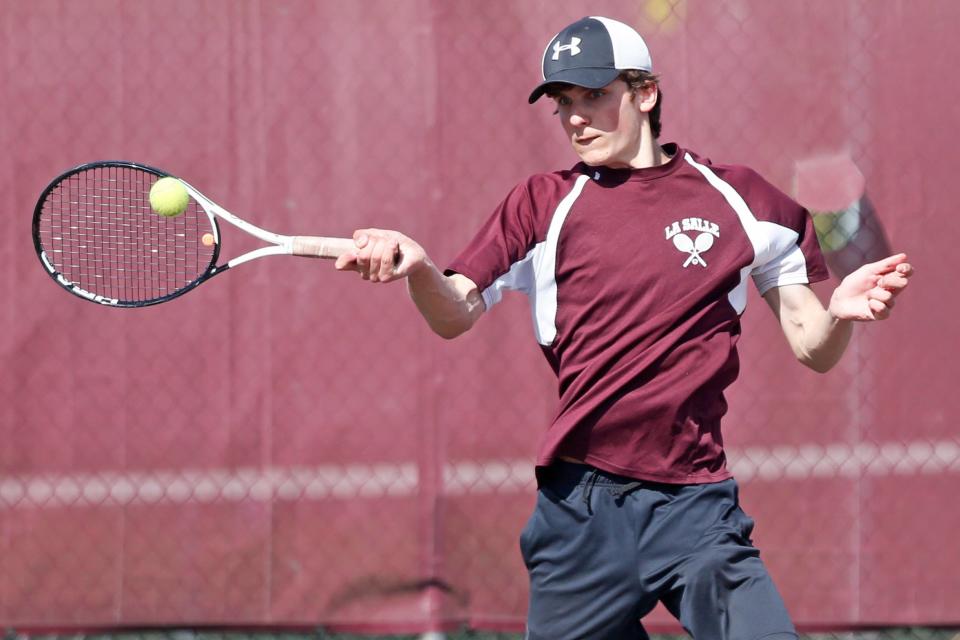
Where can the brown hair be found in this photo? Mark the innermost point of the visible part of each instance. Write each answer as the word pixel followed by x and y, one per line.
pixel 638 80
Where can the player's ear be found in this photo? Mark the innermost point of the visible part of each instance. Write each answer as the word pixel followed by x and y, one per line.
pixel 646 97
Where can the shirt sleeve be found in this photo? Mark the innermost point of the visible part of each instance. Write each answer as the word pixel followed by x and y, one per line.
pixel 798 262
pixel 784 238
pixel 496 258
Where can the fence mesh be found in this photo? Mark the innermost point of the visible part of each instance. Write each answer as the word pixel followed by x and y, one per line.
pixel 287 448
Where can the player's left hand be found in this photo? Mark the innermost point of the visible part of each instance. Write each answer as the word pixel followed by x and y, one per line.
pixel 870 292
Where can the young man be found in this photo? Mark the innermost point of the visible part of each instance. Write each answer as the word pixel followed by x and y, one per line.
pixel 636 263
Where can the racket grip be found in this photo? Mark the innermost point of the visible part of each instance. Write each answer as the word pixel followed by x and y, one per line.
pixel 318 247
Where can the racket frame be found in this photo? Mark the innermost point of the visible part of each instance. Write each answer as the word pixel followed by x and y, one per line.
pixel 278 244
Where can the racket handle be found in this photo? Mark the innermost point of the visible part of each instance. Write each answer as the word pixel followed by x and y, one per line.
pixel 318 247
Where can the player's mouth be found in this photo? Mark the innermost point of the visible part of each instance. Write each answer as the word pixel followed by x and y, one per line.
pixel 584 140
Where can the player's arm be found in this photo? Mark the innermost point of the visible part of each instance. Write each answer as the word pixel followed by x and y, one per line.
pixel 818 336
pixel 451 304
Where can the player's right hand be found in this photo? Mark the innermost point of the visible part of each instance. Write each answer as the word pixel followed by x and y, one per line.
pixel 382 255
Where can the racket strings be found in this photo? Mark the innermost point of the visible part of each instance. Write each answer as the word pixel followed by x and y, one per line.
pixel 97 229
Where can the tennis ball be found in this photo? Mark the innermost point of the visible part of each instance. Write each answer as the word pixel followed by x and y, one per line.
pixel 168 197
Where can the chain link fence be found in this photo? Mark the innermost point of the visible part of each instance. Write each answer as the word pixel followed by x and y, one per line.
pixel 286 448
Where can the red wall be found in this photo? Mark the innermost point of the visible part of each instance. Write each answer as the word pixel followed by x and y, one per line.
pixel 289 446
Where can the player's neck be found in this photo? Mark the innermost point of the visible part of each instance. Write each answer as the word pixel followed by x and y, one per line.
pixel 649 155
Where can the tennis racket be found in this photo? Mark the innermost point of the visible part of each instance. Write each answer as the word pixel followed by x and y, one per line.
pixel 98 238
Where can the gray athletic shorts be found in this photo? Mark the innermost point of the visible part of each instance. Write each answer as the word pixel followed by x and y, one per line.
pixel 602 549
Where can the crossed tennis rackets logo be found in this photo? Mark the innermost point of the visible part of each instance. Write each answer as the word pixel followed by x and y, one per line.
pixel 694 247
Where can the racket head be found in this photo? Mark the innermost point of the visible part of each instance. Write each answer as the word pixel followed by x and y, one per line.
pixel 683 242
pixel 703 242
pixel 97 236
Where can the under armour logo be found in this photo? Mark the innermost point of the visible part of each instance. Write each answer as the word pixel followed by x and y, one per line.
pixel 693 247
pixel 573 47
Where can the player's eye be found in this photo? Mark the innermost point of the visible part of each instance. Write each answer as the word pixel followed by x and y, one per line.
pixel 597 93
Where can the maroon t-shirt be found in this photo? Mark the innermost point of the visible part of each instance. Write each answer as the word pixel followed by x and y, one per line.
pixel 636 281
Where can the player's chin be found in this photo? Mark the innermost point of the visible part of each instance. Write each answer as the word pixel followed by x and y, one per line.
pixel 592 157
pixel 591 160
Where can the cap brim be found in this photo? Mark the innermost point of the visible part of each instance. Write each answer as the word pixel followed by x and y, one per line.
pixel 591 78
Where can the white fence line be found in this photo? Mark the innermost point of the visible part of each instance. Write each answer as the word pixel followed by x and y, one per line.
pixel 119 488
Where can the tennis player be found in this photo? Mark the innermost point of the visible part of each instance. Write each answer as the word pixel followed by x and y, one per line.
pixel 636 262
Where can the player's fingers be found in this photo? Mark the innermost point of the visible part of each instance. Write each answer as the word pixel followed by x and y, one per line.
pixel 373 271
pixel 346 262
pixel 388 266
pixel 366 241
pixel 380 255
pixel 896 280
pixel 903 271
pixel 377 252
pixel 370 243
pixel 892 282
pixel 882 295
pixel 362 263
pixel 381 266
pixel 879 309
pixel 361 237
pixel 888 264
pixel 372 233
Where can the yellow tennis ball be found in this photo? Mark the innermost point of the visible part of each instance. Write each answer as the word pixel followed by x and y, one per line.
pixel 168 197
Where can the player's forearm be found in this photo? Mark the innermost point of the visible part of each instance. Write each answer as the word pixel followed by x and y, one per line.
pixel 450 304
pixel 824 342
pixel 817 336
pixel 820 340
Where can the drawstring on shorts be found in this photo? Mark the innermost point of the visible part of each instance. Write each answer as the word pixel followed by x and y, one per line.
pixel 618 491
pixel 588 489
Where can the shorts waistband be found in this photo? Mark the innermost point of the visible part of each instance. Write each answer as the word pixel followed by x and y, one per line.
pixel 564 476
pixel 573 473
pixel 566 473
